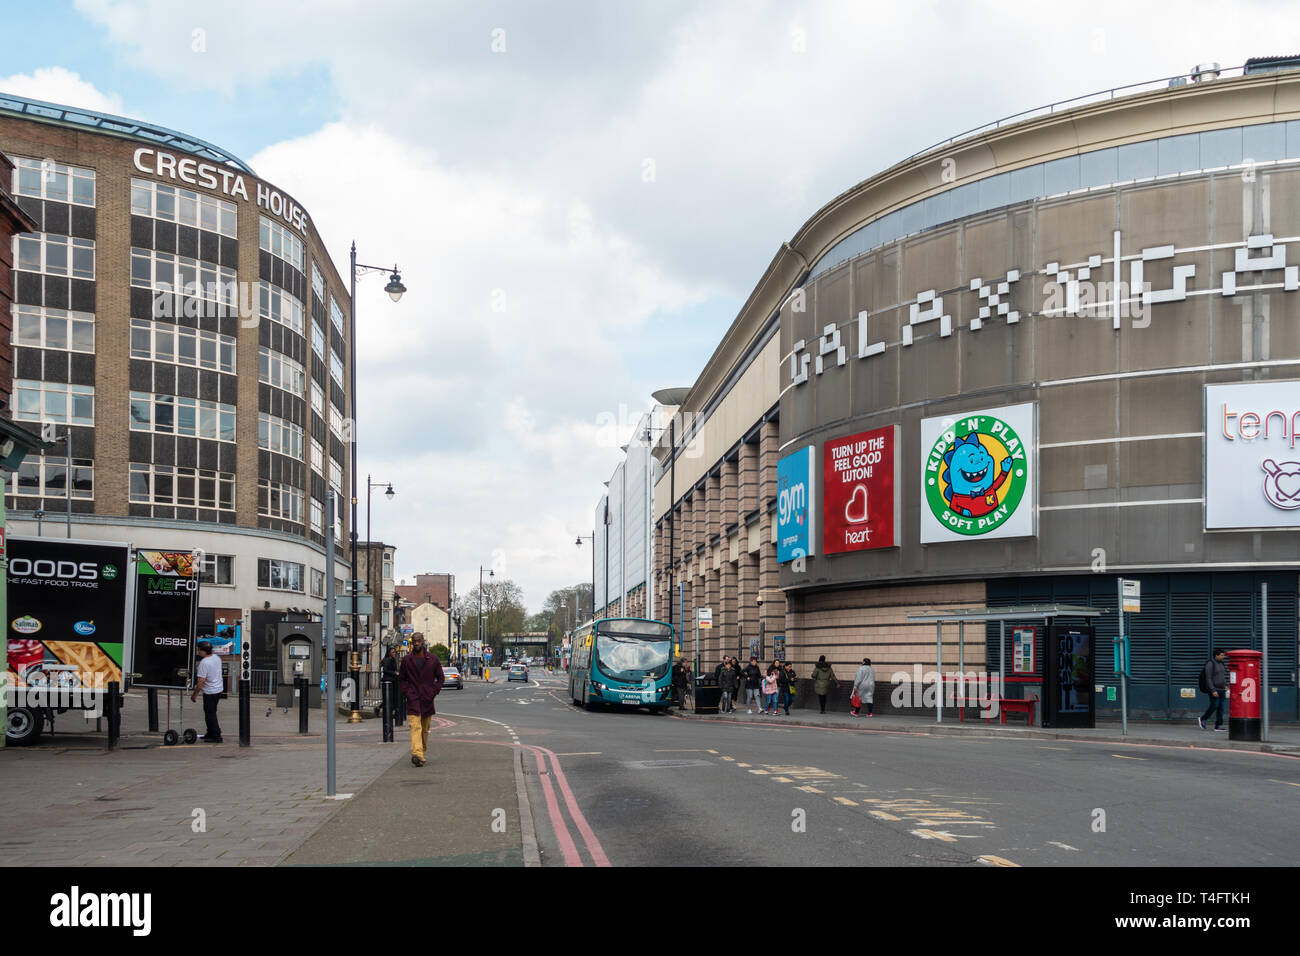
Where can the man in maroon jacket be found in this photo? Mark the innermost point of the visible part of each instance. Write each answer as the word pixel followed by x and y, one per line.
pixel 420 678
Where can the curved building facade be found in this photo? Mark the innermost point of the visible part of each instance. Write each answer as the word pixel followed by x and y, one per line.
pixel 180 320
pixel 1019 366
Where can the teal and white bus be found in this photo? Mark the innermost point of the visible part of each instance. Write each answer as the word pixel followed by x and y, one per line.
pixel 623 661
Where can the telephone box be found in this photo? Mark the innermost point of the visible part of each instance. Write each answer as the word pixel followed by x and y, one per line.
pixel 301 655
pixel 1245 685
pixel 1068 698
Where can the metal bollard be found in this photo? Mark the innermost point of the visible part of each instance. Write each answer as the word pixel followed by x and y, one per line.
pixel 113 710
pixel 245 714
pixel 153 710
pixel 386 704
pixel 302 705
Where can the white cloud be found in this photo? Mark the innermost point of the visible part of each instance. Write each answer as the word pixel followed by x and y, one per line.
pixel 54 84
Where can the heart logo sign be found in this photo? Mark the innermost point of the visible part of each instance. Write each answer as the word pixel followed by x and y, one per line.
pixel 1282 483
pixel 855 512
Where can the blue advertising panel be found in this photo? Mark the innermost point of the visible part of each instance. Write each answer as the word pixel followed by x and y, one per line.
pixel 795 505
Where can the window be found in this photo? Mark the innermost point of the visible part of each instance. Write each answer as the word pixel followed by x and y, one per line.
pixel 336 315
pixel 317 583
pixel 336 368
pixel 336 479
pixel 181 487
pixel 54 255
pixel 279 575
pixel 279 435
pixel 279 241
pixel 46 328
pixel 276 500
pixel 279 306
pixel 164 342
pixel 336 422
pixel 317 340
pixel 185 206
pixel 280 371
pixel 318 519
pixel 317 458
pixel 173 415
pixel 54 402
pixel 46 179
pixel 388 570
pixel 317 399
pixel 164 272
pixel 41 476
pixel 317 283
pixel 218 569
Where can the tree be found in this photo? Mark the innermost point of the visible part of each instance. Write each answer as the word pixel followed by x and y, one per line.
pixel 503 612
pixel 576 601
pixel 441 651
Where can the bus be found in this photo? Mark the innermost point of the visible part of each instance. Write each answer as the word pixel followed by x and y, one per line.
pixel 623 661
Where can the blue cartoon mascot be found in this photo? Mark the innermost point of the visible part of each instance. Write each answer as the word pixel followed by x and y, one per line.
pixel 971 488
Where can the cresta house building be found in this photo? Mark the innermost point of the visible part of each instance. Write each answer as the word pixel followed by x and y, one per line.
pixel 1013 369
pixel 180 319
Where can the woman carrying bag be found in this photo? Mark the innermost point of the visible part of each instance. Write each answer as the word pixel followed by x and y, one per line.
pixel 864 689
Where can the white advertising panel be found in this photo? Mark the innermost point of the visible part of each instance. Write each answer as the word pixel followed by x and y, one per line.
pixel 1252 464
pixel 978 475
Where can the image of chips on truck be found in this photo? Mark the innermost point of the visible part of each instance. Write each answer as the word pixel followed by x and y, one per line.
pixel 67 619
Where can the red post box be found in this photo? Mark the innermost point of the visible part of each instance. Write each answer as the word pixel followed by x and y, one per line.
pixel 1245 686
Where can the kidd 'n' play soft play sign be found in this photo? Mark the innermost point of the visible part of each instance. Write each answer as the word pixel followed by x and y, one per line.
pixel 860 488
pixel 978 473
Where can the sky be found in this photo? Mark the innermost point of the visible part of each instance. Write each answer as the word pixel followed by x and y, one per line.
pixel 580 196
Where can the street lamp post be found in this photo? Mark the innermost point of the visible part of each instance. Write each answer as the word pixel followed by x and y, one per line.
pixel 592 538
pixel 370 550
pixel 482 631
pixel 394 290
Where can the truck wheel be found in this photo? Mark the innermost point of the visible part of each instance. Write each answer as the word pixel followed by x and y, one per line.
pixel 170 738
pixel 24 727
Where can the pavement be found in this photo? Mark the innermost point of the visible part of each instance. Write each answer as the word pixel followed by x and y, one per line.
pixel 1284 738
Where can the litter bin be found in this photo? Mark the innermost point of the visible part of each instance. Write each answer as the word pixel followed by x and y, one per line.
pixel 708 695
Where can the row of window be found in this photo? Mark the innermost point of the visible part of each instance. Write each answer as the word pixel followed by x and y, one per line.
pixel 279 306
pixel 185 206
pixel 278 435
pixel 41 477
pixel 46 179
pixel 54 402
pixel 181 487
pixel 151 269
pixel 54 255
pixel 280 240
pixel 275 368
pixel 272 574
pixel 278 500
pixel 40 327
pixel 175 415
pixel 164 342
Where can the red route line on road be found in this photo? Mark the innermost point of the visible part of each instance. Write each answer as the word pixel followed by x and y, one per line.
pixel 568 846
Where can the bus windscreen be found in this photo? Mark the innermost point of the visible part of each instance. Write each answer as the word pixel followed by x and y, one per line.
pixel 634 650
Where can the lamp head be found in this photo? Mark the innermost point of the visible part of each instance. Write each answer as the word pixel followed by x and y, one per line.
pixel 390 492
pixel 395 287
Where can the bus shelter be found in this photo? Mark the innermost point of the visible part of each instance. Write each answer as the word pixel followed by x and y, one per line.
pixel 1046 613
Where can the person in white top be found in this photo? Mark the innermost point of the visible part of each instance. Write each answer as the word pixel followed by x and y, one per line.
pixel 211 685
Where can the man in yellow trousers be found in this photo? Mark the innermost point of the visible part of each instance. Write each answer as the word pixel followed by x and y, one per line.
pixel 420 678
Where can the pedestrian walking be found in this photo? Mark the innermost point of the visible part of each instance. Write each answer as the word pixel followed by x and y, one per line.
pixel 210 685
pixel 740 680
pixel 688 681
pixel 1214 681
pixel 783 687
pixel 770 685
pixel 728 681
pixel 679 683
pixel 824 679
pixel 753 685
pixel 864 688
pixel 421 678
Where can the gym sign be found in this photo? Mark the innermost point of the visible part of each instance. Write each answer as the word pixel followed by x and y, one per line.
pixel 1252 464
pixel 189 170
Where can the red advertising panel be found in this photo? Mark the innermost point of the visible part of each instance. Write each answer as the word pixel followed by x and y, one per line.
pixel 860 486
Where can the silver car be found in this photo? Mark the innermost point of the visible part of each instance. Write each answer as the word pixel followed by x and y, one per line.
pixel 451 677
